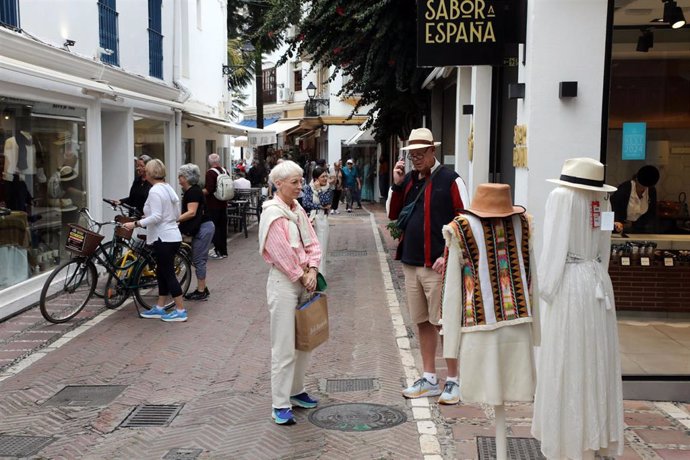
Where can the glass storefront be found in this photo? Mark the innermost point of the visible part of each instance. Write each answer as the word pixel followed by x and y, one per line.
pixel 43 164
pixel 149 137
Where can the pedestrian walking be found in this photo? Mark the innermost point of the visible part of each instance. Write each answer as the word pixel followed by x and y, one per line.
pixel 289 245
pixel 196 224
pixel 318 196
pixel 352 184
pixel 161 211
pixel 441 194
pixel 217 209
pixel 139 191
pixel 337 180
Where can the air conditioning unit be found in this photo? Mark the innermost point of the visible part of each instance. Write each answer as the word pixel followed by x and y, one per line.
pixel 286 95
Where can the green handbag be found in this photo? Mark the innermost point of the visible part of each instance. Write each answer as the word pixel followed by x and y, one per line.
pixel 321 284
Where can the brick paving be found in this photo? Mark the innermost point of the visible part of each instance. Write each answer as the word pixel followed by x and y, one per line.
pixel 217 365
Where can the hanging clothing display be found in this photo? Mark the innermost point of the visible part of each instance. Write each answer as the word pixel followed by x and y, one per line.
pixel 487 310
pixel 579 403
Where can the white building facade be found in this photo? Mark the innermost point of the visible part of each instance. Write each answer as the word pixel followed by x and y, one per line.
pixel 85 86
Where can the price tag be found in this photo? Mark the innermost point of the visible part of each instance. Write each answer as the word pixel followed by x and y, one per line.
pixel 625 261
pixel 644 261
pixel 607 221
pixel 668 261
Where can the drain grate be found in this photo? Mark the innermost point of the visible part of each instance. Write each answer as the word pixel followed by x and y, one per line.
pixel 22 446
pixel 348 253
pixel 342 385
pixel 357 417
pixel 149 415
pixel 518 448
pixel 182 454
pixel 86 395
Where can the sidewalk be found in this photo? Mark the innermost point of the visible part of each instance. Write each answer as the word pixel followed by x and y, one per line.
pixel 217 366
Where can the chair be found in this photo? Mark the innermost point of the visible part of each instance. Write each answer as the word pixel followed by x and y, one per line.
pixel 255 199
pixel 237 215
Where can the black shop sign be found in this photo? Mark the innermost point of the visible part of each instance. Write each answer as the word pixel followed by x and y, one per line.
pixel 469 32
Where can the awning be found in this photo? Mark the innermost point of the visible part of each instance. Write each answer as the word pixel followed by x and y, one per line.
pixel 281 126
pixel 362 135
pixel 91 87
pixel 221 126
pixel 240 141
pixel 267 121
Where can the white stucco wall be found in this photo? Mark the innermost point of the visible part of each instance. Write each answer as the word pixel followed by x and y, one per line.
pixel 559 49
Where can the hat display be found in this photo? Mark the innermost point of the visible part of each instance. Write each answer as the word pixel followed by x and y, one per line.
pixel 67 173
pixel 647 176
pixel 585 173
pixel 493 200
pixel 420 138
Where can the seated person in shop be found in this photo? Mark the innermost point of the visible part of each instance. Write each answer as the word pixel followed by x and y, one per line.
pixel 634 203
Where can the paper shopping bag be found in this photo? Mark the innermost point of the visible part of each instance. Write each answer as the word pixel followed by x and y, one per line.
pixel 311 323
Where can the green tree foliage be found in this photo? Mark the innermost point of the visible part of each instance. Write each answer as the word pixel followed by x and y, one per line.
pixel 373 42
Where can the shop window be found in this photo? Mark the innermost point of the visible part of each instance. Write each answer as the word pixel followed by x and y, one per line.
pixel 9 14
pixel 108 32
pixel 43 164
pixel 269 85
pixel 210 147
pixel 155 39
pixel 187 150
pixel 149 138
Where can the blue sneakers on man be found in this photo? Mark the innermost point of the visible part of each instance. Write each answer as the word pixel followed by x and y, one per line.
pixel 175 315
pixel 304 401
pixel 155 312
pixel 283 416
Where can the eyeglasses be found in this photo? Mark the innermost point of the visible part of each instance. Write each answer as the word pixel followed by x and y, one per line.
pixel 416 153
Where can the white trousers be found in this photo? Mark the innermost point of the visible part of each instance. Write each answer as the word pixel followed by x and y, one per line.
pixel 288 365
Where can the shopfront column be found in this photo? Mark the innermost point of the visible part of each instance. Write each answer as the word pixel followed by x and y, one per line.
pixel 481 121
pixel 566 41
pixel 462 122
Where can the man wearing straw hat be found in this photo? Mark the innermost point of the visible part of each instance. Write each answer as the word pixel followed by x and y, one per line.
pixel 436 195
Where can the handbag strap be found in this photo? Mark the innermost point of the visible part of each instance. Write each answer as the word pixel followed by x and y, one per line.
pixel 424 186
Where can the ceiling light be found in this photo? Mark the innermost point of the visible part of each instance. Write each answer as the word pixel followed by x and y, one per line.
pixel 673 15
pixel 645 41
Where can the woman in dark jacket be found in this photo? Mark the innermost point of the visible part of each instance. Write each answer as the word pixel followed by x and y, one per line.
pixel 634 203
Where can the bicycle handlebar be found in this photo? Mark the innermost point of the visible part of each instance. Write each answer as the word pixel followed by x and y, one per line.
pixel 118 205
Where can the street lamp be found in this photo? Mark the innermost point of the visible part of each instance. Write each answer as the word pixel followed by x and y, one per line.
pixel 311 90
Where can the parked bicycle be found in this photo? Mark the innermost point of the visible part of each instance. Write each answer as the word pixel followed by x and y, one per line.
pixel 70 287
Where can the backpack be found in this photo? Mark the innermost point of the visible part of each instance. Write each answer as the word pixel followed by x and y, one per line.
pixel 225 189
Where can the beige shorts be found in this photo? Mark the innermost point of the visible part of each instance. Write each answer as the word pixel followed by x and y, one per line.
pixel 423 288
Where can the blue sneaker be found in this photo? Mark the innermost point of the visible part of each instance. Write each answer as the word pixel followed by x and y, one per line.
pixel 304 401
pixel 176 315
pixel 155 312
pixel 283 416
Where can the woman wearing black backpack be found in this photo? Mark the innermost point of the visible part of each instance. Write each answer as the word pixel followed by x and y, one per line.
pixel 196 223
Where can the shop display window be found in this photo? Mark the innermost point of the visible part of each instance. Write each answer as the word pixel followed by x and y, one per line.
pixel 149 138
pixel 43 164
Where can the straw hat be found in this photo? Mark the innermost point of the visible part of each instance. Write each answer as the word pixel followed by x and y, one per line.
pixel 420 138
pixel 585 173
pixel 493 200
pixel 67 173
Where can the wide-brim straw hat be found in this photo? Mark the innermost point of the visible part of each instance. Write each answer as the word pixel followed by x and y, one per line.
pixel 584 173
pixel 493 200
pixel 67 173
pixel 420 138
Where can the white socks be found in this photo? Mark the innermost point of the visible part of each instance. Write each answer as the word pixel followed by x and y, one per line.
pixel 431 378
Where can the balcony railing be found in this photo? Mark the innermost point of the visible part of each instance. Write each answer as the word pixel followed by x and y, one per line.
pixel 316 107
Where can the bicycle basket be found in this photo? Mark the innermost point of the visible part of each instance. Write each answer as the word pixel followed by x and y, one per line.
pixel 81 241
pixel 121 231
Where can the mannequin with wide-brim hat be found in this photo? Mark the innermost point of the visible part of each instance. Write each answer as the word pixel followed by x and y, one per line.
pixel 490 321
pixel 578 408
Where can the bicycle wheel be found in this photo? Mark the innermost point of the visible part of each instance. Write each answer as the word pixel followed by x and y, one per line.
pixel 67 290
pixel 146 290
pixel 117 285
pixel 111 251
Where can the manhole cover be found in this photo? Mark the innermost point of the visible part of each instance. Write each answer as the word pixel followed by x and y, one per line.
pixel 182 454
pixel 357 417
pixel 348 253
pixel 86 395
pixel 518 448
pixel 151 415
pixel 22 446
pixel 342 385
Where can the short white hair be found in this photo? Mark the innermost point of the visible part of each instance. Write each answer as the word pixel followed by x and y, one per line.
pixel 213 158
pixel 284 170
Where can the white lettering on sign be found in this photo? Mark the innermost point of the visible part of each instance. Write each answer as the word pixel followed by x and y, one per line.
pixel 455 21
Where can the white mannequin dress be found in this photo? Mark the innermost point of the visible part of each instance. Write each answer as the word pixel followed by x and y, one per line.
pixel 579 403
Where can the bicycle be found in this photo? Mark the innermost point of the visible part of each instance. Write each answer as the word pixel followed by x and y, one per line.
pixel 70 287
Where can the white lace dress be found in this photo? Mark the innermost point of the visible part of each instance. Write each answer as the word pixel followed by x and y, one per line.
pixel 579 400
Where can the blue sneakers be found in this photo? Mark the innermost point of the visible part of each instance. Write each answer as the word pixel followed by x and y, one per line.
pixel 283 416
pixel 175 315
pixel 304 401
pixel 155 312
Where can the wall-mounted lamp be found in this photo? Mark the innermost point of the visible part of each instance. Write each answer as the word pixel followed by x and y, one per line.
pixel 311 90
pixel 516 91
pixel 467 109
pixel 645 41
pixel 567 89
pixel 226 70
pixel 673 14
pixel 69 43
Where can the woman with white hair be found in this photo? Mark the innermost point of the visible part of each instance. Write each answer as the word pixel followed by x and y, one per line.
pixel 195 223
pixel 289 244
